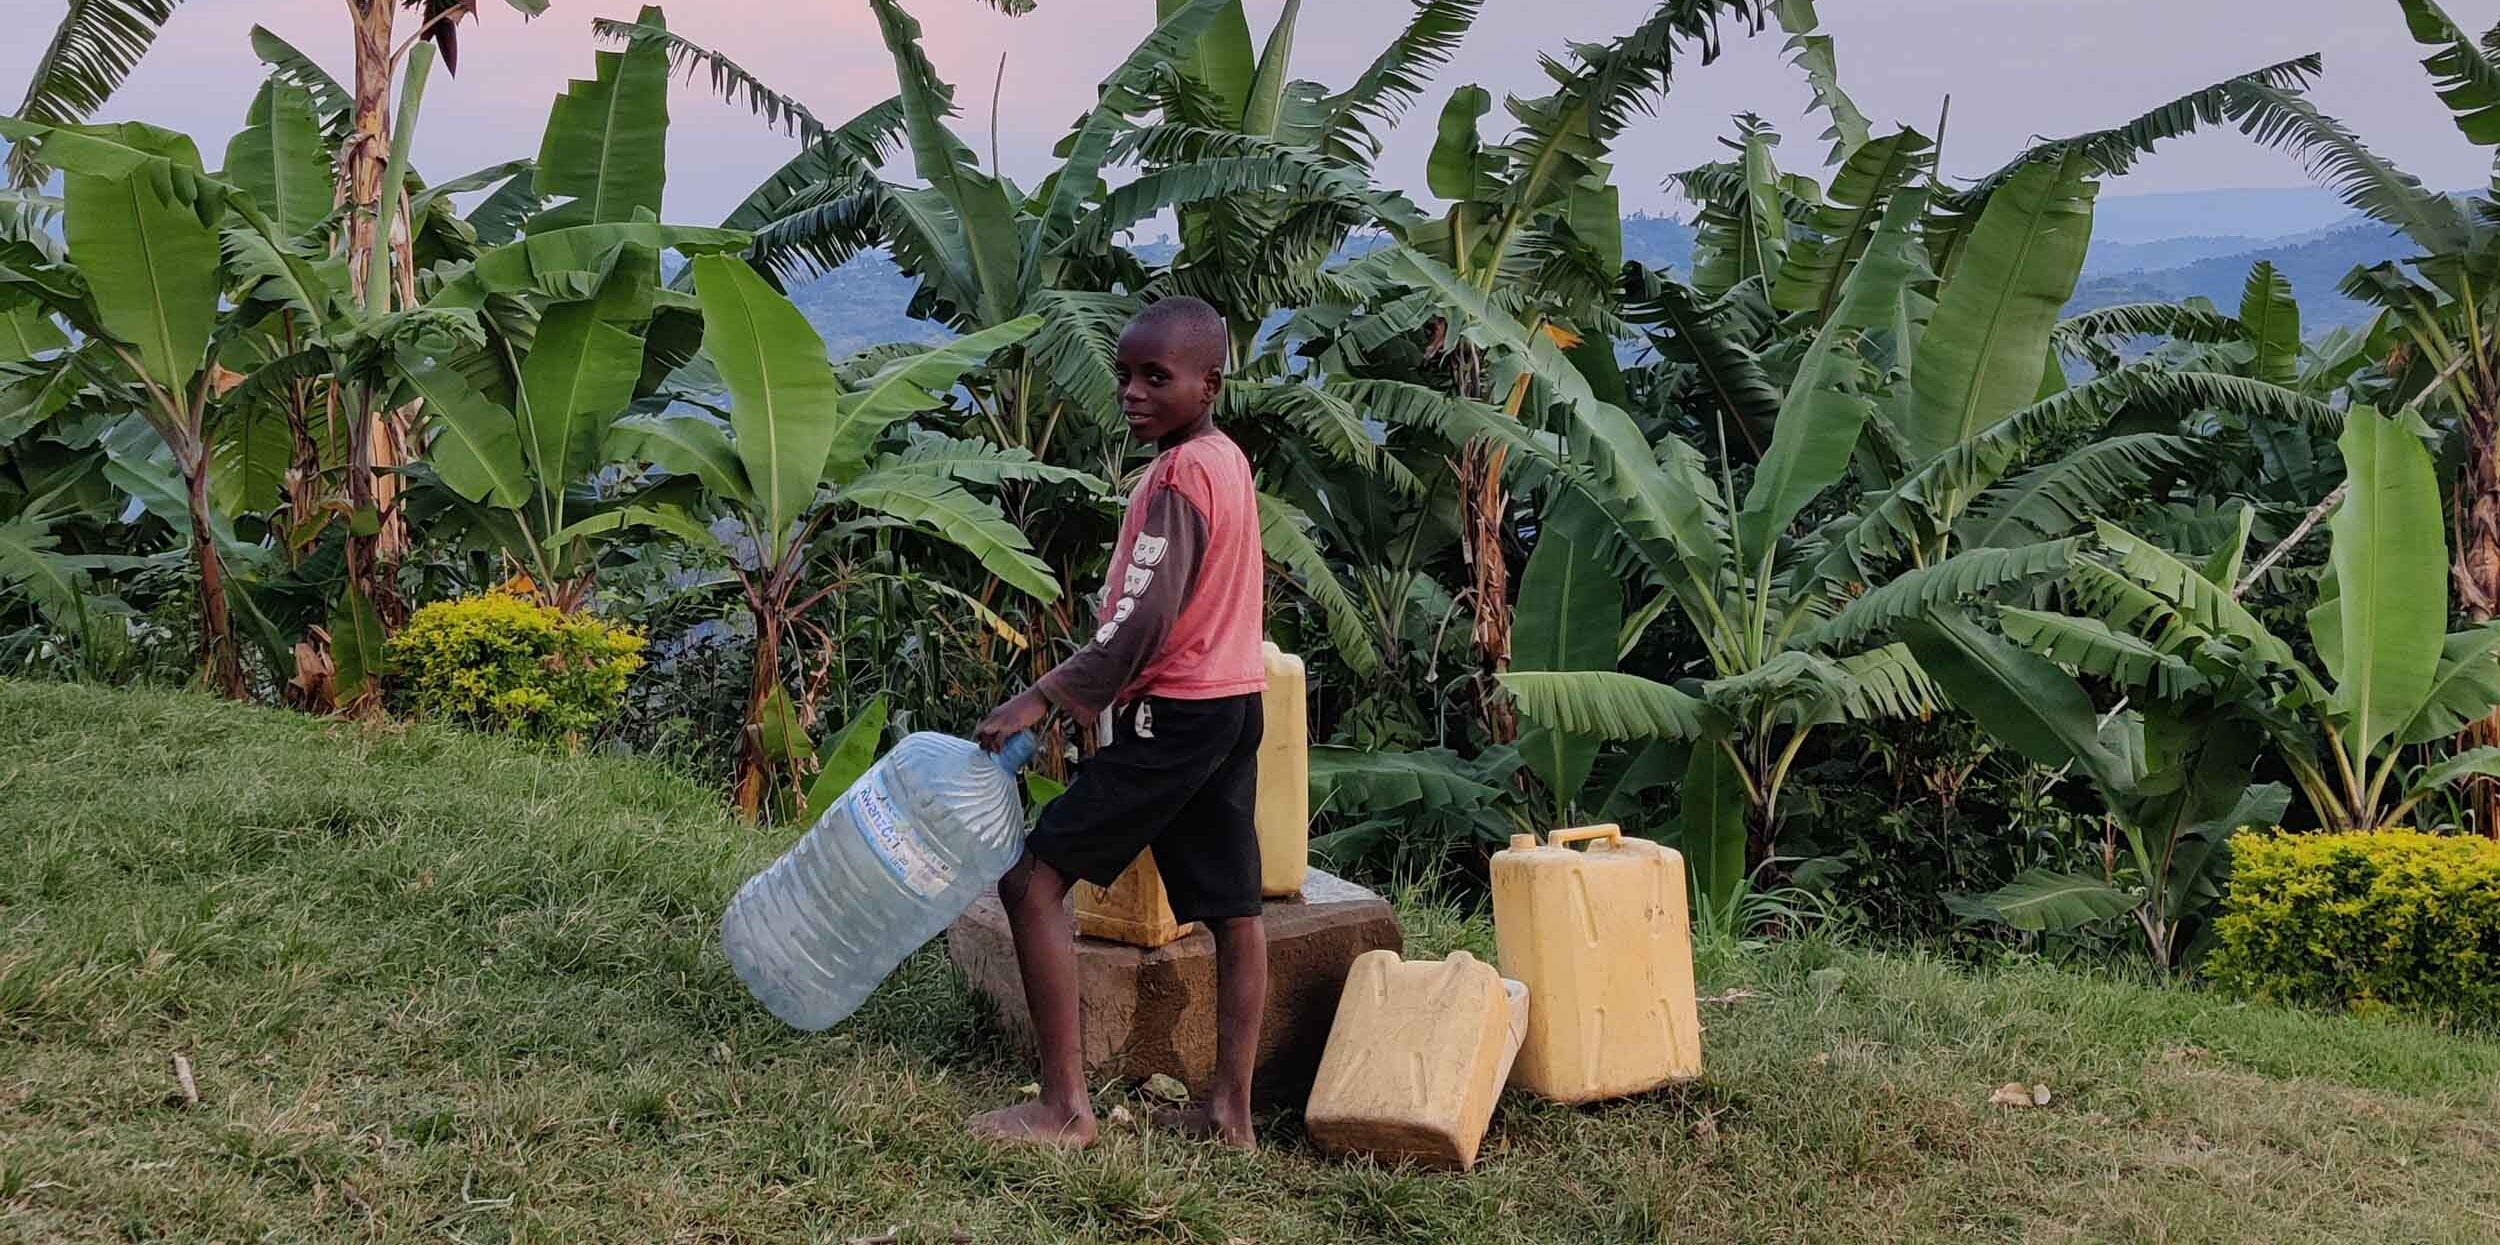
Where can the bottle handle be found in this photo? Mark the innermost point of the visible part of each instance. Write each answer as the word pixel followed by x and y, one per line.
pixel 1017 752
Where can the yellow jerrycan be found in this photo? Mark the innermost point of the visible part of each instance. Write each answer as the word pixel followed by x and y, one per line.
pixel 1416 1059
pixel 1603 940
pixel 1135 909
pixel 1284 807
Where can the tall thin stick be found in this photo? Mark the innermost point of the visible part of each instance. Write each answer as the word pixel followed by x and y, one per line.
pixel 2327 504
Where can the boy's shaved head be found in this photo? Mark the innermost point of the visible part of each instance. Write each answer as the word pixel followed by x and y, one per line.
pixel 1170 367
pixel 1191 325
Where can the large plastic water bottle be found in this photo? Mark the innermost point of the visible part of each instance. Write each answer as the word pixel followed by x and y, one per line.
pixel 922 834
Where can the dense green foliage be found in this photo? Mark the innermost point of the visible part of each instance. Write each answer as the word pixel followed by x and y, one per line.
pixel 2390 919
pixel 1813 535
pixel 503 662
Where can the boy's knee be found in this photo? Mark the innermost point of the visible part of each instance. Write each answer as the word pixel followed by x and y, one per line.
pixel 1231 928
pixel 1030 878
pixel 1014 884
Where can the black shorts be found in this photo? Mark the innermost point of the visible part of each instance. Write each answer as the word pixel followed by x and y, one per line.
pixel 1181 777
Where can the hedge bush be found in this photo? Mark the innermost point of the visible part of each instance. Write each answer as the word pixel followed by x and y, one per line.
pixel 2394 919
pixel 504 662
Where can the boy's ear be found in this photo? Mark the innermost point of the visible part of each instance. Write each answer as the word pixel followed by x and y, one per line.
pixel 1215 385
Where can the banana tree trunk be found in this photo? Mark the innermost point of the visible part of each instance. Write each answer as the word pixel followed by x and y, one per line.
pixel 221 666
pixel 373 565
pixel 2476 572
pixel 380 443
pixel 303 483
pixel 1486 513
pixel 756 764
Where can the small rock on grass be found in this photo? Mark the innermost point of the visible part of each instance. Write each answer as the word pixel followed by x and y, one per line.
pixel 1166 1087
pixel 2016 1095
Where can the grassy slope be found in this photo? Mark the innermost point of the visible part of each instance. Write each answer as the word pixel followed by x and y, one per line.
pixel 440 989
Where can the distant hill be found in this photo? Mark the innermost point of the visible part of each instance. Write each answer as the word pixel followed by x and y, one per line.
pixel 862 303
pixel 2270 213
pixel 2115 257
pixel 1658 242
pixel 2316 263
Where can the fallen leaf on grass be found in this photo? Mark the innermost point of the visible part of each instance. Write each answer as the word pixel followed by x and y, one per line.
pixel 184 1082
pixel 1122 1116
pixel 2017 1095
pixel 1167 1088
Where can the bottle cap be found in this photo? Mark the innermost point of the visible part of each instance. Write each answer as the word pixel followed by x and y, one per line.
pixel 1017 752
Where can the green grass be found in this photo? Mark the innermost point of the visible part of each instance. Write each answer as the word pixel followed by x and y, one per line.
pixel 438 988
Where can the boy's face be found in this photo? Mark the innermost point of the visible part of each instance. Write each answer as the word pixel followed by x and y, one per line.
pixel 1164 385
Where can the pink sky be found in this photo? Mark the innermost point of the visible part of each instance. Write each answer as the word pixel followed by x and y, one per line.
pixel 2016 68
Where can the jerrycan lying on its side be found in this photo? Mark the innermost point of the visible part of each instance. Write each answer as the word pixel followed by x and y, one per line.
pixel 1416 1059
pixel 1603 939
pixel 924 832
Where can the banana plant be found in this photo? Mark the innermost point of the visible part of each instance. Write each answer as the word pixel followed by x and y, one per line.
pixel 1255 248
pixel 984 252
pixel 1933 422
pixel 1537 218
pixel 577 326
pixel 792 452
pixel 2390 677
pixel 2173 772
pixel 141 280
pixel 2440 302
pixel 59 584
pixel 2281 468
pixel 519 430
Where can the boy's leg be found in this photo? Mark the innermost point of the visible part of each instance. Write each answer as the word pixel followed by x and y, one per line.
pixel 1210 861
pixel 1034 895
pixel 1122 799
pixel 1240 1001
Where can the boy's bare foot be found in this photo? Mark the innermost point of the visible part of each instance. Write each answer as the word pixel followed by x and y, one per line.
pixel 1210 1122
pixel 1037 1124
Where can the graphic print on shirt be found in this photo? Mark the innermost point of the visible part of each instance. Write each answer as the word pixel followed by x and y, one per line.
pixel 1179 612
pixel 1147 552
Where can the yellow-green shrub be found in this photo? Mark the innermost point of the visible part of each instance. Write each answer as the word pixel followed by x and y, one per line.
pixel 507 663
pixel 2388 918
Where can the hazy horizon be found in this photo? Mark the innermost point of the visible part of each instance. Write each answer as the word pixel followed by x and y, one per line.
pixel 2015 69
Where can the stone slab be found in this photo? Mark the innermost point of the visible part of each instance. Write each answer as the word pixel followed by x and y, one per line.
pixel 1153 1011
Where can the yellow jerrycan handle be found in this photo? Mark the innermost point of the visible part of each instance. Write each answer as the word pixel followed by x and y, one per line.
pixel 1565 838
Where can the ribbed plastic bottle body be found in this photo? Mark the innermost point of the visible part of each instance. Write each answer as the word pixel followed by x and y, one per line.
pixel 905 851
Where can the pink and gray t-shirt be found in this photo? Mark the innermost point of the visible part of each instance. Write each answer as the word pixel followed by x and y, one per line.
pixel 1182 608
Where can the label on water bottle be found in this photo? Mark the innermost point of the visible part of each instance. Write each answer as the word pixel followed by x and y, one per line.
pixel 898 845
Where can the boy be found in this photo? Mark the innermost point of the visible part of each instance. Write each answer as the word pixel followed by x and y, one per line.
pixel 1175 666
